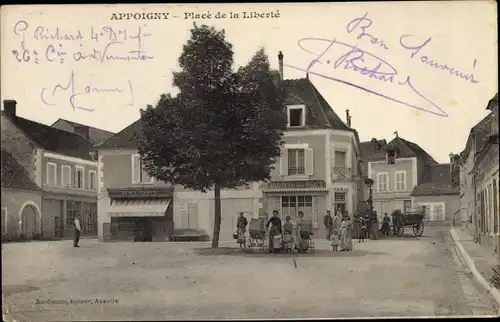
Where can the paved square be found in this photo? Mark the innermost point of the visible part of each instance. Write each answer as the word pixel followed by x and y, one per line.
pixel 405 276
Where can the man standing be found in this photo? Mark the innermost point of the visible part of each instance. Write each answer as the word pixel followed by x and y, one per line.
pixel 275 230
pixel 328 222
pixel 78 228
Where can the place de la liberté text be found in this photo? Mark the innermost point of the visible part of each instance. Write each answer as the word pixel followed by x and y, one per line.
pixel 204 15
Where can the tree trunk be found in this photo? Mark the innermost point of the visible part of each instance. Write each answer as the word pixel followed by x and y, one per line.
pixel 217 217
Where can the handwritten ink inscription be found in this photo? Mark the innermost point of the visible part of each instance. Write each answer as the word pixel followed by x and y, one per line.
pixel 42 44
pixel 73 92
pixel 100 45
pixel 337 57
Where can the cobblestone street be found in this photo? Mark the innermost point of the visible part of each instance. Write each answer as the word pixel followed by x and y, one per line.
pixel 405 276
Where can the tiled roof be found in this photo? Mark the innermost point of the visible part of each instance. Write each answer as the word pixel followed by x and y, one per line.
pixel 96 135
pixel 406 149
pixel 122 139
pixel 369 148
pixel 319 113
pixel 55 140
pixel 300 91
pixel 436 181
pixel 479 132
pixel 14 175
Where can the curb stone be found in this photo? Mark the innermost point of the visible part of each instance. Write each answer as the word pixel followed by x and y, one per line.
pixel 472 267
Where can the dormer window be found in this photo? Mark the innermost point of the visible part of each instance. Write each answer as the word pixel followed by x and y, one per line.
pixel 391 157
pixel 296 116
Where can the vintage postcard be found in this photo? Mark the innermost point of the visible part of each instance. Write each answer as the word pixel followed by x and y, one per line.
pixel 250 161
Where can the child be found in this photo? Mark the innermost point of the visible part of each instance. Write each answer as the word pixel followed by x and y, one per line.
pixel 288 239
pixel 334 238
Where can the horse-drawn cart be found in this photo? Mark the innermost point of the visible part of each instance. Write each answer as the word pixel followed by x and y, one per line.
pixel 414 219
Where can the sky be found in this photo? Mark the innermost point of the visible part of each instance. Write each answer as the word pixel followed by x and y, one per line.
pixel 424 69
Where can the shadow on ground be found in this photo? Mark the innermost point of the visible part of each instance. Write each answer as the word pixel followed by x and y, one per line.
pixel 251 252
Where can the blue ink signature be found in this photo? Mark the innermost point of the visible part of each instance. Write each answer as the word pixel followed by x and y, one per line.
pixel 364 23
pixel 107 55
pixel 69 89
pixel 361 62
pixel 431 62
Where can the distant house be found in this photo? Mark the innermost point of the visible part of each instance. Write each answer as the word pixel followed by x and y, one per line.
pixel 94 135
pixel 396 168
pixel 477 139
pixel 21 201
pixel 439 191
pixel 486 183
pixel 368 149
pixel 59 162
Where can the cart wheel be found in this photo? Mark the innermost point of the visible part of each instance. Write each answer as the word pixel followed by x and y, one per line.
pixel 418 229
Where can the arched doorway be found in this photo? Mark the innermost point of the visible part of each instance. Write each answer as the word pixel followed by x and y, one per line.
pixel 29 218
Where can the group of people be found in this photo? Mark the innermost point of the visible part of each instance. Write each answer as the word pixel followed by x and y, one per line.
pixel 339 230
pixel 281 236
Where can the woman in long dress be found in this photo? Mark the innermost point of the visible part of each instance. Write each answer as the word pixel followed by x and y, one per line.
pixel 302 224
pixel 242 228
pixel 345 234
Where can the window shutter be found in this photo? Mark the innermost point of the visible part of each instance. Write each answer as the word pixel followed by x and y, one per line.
pixel 284 162
pixel 309 162
pixel 136 168
pixel 184 217
pixel 193 216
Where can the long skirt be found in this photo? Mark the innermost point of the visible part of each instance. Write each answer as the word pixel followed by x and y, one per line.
pixel 272 232
pixel 345 239
pixel 241 235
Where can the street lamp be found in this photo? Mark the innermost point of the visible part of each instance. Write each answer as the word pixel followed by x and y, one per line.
pixel 369 183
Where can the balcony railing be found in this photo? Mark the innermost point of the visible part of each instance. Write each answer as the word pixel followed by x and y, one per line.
pixel 341 174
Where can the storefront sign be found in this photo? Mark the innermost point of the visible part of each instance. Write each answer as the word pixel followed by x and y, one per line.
pixel 312 184
pixel 140 192
pixel 340 189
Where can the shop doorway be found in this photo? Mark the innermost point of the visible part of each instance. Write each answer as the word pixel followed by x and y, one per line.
pixel 143 230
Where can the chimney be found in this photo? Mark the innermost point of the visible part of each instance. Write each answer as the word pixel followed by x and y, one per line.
pixel 9 107
pixel 396 133
pixel 452 166
pixel 280 64
pixel 348 117
pixel 83 131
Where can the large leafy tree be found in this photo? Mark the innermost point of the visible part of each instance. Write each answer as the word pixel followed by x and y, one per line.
pixel 224 127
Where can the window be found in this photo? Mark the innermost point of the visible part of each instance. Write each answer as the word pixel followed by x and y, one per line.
pixel 296 161
pixel 437 212
pixel 72 207
pixel 92 180
pixel 79 177
pixel 490 209
pixel 291 205
pixel 51 174
pixel 400 180
pixel 383 182
pixel 4 220
pixel 66 176
pixel 391 157
pixel 407 206
pixel 296 116
pixel 139 173
pixel 495 206
pixel 340 159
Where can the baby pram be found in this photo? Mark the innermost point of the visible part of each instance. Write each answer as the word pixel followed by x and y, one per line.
pixel 257 234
